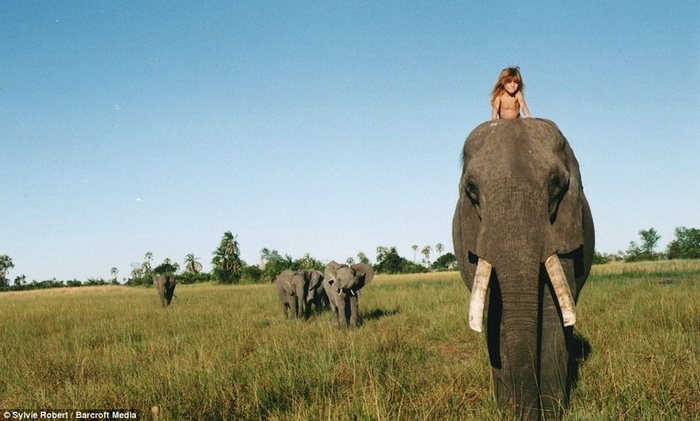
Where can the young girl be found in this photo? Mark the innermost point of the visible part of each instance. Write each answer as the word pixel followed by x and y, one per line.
pixel 507 95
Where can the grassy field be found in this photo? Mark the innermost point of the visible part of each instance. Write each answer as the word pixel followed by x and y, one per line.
pixel 225 352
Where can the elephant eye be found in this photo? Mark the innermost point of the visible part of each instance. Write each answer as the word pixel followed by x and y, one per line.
pixel 557 184
pixel 472 191
pixel 554 187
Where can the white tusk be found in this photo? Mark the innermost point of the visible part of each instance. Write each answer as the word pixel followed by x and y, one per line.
pixel 478 298
pixel 561 289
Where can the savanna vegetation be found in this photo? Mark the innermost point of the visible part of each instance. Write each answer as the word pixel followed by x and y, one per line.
pixel 225 352
pixel 229 268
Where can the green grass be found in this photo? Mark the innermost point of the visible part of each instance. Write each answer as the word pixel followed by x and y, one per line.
pixel 226 352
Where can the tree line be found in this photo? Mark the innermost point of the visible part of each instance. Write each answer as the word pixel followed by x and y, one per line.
pixel 685 245
pixel 229 268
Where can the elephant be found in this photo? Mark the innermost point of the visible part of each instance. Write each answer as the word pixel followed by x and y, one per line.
pixel 166 288
pixel 523 236
pixel 316 296
pixel 297 290
pixel 343 284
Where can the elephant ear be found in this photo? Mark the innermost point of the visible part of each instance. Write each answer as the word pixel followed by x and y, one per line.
pixel 364 274
pixel 315 279
pixel 466 222
pixel 285 280
pixel 567 232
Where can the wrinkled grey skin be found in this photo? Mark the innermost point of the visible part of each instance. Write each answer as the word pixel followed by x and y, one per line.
pixel 166 288
pixel 296 289
pixel 343 284
pixel 521 200
pixel 316 297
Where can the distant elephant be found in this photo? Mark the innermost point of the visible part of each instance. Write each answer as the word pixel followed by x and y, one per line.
pixel 523 227
pixel 166 288
pixel 343 284
pixel 297 290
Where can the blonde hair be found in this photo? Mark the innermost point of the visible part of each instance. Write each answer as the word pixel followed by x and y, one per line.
pixel 507 75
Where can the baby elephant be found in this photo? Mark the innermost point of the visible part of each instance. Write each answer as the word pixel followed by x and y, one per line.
pixel 166 288
pixel 343 284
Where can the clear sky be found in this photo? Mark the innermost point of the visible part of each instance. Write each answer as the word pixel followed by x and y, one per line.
pixel 327 127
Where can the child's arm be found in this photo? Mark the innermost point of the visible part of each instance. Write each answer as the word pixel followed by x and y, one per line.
pixel 495 108
pixel 523 105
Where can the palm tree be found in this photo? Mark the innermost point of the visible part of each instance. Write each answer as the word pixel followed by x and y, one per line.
pixel 439 247
pixel 226 260
pixel 191 263
pixel 415 249
pixel 426 252
pixel 147 268
pixel 114 271
pixel 5 265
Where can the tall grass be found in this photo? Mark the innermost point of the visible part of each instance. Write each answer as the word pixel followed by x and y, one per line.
pixel 225 352
pixel 652 268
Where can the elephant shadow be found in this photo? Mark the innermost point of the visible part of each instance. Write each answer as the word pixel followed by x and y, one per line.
pixel 379 313
pixel 579 351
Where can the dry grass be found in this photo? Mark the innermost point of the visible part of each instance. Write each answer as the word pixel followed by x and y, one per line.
pixel 659 267
pixel 225 352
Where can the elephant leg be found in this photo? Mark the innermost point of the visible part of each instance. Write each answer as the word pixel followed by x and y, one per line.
pixel 285 310
pixel 294 308
pixel 161 294
pixel 303 308
pixel 353 310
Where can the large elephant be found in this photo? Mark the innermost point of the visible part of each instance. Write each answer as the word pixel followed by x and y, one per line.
pixel 297 289
pixel 343 284
pixel 166 288
pixel 522 227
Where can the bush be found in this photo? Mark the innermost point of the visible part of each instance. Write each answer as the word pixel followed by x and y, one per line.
pixel 686 245
pixel 444 262
pixel 251 275
pixel 192 278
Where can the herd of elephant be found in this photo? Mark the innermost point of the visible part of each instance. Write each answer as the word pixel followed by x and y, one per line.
pixel 338 286
pixel 523 237
pixel 303 291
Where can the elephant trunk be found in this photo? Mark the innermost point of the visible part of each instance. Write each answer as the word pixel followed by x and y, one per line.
pixel 513 335
pixel 512 238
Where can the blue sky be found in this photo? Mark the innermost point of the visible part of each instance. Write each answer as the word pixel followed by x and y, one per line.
pixel 322 127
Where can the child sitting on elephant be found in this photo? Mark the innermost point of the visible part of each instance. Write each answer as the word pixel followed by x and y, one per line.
pixel 507 95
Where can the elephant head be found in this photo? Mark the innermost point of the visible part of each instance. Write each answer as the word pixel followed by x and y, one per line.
pixel 523 237
pixel 166 288
pixel 343 284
